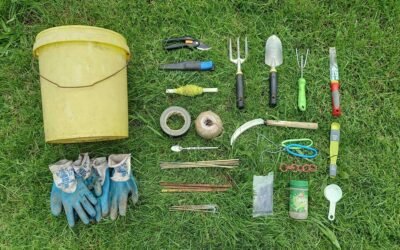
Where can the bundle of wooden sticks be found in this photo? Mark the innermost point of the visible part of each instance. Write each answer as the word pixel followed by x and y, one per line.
pixel 168 187
pixel 207 208
pixel 231 163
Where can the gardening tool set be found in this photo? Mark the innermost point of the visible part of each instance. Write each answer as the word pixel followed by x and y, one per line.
pixel 92 189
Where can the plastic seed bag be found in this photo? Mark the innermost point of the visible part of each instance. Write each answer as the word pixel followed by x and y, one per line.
pixel 263 187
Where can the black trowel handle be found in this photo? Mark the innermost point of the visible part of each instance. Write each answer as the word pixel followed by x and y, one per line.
pixel 240 90
pixel 273 89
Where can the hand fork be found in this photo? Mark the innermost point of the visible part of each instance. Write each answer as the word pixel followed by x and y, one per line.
pixel 301 100
pixel 239 74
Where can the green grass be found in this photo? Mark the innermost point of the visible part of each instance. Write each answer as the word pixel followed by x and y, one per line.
pixel 366 35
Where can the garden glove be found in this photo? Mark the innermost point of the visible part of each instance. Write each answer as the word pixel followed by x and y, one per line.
pixel 94 173
pixel 75 196
pixel 83 168
pixel 101 187
pixel 55 195
pixel 123 184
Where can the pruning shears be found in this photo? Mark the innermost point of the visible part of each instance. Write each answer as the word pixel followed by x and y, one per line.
pixel 184 42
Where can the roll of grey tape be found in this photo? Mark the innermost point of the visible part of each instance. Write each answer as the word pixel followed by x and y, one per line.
pixel 171 111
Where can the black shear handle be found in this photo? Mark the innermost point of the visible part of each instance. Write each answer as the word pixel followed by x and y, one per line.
pixel 178 39
pixel 176 46
pixel 240 91
pixel 181 42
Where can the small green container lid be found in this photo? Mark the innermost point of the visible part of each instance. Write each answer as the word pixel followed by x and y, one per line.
pixel 299 184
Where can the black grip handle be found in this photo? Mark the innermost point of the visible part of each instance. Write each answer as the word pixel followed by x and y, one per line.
pixel 175 46
pixel 239 91
pixel 273 89
pixel 178 39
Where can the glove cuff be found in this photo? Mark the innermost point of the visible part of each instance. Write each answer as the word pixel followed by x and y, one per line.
pixel 64 176
pixel 121 163
pixel 82 166
pixel 100 167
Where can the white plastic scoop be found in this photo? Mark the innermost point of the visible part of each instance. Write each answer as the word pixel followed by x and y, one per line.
pixel 333 193
pixel 177 148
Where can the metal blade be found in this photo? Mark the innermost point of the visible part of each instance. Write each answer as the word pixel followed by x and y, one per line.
pixel 273 51
pixel 203 46
pixel 245 127
pixel 333 67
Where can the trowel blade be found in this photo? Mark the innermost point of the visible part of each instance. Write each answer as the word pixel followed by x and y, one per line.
pixel 273 51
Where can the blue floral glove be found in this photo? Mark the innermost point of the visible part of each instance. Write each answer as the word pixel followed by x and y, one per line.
pixel 101 187
pixel 83 169
pixel 81 201
pixel 123 184
pixel 55 200
pixel 65 180
pixel 75 196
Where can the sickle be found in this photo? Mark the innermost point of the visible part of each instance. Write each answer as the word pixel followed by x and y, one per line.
pixel 259 121
pixel 245 127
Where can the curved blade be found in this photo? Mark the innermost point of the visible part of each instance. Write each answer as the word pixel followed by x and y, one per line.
pixel 203 46
pixel 245 127
pixel 273 52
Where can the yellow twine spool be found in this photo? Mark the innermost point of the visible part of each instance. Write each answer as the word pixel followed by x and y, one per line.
pixel 189 90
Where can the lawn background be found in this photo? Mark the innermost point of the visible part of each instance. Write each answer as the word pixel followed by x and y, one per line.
pixel 366 36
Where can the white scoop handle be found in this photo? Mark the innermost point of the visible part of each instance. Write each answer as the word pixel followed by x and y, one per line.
pixel 199 148
pixel 332 208
pixel 177 148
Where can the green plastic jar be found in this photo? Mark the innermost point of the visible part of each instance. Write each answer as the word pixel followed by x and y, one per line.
pixel 298 202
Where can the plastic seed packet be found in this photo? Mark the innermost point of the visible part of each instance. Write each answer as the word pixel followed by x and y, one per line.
pixel 263 187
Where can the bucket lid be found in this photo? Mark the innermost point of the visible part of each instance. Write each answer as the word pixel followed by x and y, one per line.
pixel 70 33
pixel 298 184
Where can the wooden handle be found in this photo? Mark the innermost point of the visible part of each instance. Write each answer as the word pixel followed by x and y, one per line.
pixel 305 125
pixel 192 190
pixel 187 185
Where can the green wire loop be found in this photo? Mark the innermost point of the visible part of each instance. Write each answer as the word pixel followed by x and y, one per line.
pixel 297 141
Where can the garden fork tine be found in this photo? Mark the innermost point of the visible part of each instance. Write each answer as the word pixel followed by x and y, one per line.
pixel 239 74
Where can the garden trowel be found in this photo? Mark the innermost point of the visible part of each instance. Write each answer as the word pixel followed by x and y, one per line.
pixel 273 58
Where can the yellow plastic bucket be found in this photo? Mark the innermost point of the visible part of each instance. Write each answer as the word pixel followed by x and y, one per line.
pixel 83 79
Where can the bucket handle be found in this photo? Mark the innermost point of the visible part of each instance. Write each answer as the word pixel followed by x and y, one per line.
pixel 85 86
